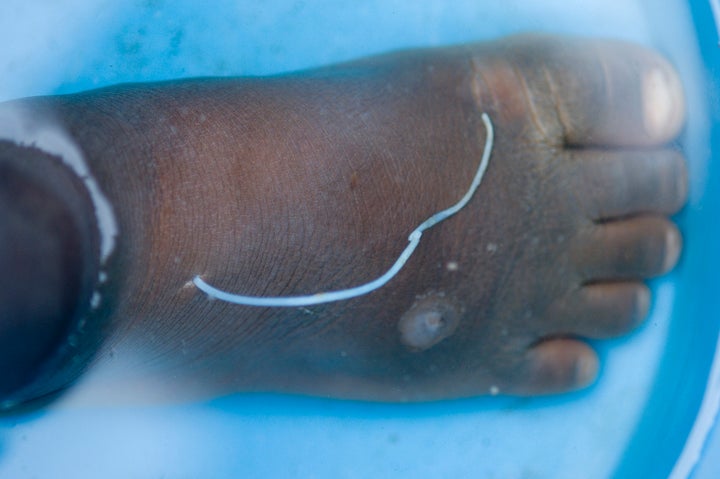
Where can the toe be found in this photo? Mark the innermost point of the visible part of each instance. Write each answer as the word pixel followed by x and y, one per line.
pixel 557 365
pixel 602 310
pixel 637 248
pixel 620 184
pixel 606 92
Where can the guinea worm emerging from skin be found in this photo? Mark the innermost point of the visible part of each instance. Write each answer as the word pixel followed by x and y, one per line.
pixel 343 294
pixel 431 319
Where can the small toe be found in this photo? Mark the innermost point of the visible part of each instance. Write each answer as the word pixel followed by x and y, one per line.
pixel 556 366
pixel 609 93
pixel 602 310
pixel 637 248
pixel 612 185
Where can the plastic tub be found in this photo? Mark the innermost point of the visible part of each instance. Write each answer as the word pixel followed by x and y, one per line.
pixel 635 422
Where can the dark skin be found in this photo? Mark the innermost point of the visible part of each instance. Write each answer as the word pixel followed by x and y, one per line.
pixel 312 181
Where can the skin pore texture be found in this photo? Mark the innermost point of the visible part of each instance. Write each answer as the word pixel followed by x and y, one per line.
pixel 312 181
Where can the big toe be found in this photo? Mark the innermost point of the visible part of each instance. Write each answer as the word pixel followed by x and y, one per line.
pixel 602 92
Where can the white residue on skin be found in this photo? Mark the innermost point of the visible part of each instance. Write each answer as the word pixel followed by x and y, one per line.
pixel 20 127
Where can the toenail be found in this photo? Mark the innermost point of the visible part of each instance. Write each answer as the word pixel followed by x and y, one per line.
pixel 586 369
pixel 672 248
pixel 430 320
pixel 659 103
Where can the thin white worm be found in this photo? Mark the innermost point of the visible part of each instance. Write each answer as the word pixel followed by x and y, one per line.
pixel 343 294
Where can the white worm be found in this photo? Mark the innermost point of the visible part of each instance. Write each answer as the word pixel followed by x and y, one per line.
pixel 343 294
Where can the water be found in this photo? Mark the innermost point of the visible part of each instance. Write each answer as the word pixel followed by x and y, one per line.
pixel 633 423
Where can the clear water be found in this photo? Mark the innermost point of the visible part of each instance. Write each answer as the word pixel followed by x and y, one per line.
pixel 633 423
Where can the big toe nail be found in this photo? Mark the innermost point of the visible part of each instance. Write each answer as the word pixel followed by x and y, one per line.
pixel 662 102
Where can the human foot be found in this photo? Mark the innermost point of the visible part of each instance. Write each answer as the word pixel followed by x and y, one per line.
pixel 312 181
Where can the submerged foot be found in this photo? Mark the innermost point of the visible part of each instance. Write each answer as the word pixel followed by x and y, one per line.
pixel 312 181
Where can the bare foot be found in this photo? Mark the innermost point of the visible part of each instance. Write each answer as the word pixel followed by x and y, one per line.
pixel 312 181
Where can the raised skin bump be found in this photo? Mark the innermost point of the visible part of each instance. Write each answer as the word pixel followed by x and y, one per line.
pixel 430 320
